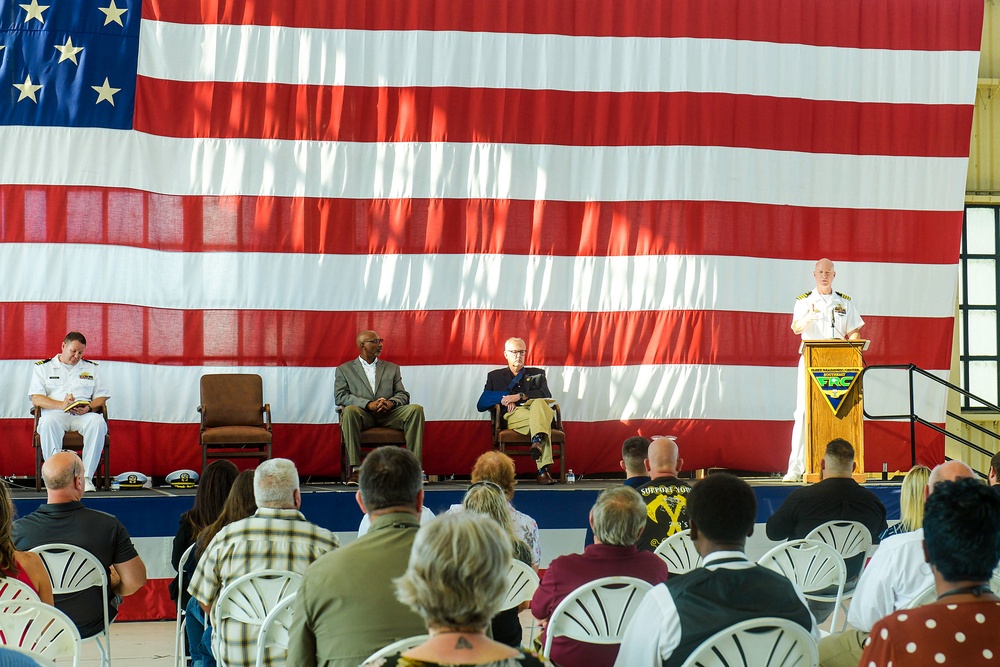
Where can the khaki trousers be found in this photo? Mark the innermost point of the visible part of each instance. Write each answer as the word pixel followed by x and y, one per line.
pixel 534 417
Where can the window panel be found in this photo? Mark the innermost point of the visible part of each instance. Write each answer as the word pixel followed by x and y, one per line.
pixel 983 333
pixel 983 381
pixel 981 232
pixel 982 287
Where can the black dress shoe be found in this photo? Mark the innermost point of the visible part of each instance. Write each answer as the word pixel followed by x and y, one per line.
pixel 544 478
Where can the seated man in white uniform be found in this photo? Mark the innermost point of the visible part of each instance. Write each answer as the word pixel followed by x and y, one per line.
pixel 60 382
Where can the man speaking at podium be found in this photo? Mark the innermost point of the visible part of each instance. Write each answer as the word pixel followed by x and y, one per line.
pixel 821 314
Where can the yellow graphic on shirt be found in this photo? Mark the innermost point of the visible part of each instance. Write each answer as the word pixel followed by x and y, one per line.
pixel 673 506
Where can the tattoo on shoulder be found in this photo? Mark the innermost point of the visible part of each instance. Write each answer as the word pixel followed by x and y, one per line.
pixel 463 643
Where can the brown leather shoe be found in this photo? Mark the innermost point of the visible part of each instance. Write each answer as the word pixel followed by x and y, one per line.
pixel 544 478
pixel 353 479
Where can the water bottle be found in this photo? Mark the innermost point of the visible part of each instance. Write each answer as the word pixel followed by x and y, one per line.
pixel 115 484
pixel 570 477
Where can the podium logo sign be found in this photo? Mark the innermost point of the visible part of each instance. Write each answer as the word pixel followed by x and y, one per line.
pixel 834 383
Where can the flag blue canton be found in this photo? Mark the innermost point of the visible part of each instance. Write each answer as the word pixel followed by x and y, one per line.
pixel 72 49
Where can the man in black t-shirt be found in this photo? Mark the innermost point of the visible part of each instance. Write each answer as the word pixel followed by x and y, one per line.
pixel 665 495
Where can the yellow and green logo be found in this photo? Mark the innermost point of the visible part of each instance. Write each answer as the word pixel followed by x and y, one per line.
pixel 834 383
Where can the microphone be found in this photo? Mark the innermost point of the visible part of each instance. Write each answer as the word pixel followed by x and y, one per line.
pixel 833 321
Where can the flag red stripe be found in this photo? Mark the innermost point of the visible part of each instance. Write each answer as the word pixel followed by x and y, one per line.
pixel 430 338
pixel 417 226
pixel 566 118
pixel 917 24
pixel 594 447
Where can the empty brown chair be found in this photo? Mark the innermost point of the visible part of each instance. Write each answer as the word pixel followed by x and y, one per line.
pixel 235 421
pixel 512 443
pixel 73 440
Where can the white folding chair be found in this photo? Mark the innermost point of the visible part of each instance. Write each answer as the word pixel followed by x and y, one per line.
pixel 597 612
pixel 180 655
pixel 761 642
pixel 679 552
pixel 814 566
pixel 274 632
pixel 850 538
pixel 522 581
pixel 15 590
pixel 930 594
pixel 41 630
pixel 396 647
pixel 247 601
pixel 73 570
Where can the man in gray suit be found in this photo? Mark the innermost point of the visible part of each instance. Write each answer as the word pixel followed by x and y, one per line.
pixel 370 391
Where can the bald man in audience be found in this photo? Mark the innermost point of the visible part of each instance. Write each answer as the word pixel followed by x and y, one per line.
pixel 664 494
pixel 896 574
pixel 65 519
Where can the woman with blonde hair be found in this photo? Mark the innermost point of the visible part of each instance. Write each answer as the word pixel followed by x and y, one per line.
pixel 25 566
pixel 455 581
pixel 912 495
pixel 488 499
pixel 498 468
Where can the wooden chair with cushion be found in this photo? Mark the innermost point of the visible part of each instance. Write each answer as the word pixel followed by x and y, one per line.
pixel 512 443
pixel 73 440
pixel 371 439
pixel 235 421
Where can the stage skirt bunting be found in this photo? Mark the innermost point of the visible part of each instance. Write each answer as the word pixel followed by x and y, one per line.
pixel 637 189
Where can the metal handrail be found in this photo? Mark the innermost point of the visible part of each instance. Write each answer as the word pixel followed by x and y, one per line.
pixel 915 419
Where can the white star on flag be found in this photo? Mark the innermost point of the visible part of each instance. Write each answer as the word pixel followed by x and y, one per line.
pixel 105 92
pixel 28 89
pixel 34 11
pixel 111 13
pixel 67 51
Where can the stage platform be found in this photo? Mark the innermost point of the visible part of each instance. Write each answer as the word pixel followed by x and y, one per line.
pixel 151 517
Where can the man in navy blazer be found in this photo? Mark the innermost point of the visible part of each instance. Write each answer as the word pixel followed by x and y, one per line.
pixel 521 391
pixel 370 392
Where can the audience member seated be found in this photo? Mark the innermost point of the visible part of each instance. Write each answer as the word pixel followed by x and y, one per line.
pixel 994 469
pixel 498 468
pixel 836 498
pixel 962 545
pixel 665 495
pixel 346 608
pixel 455 580
pixel 911 502
pixel 676 617
pixel 634 453
pixel 65 520
pixel 277 537
pixel 488 499
pixel 617 518
pixel 895 575
pixel 25 566
pixel 239 504
pixel 209 499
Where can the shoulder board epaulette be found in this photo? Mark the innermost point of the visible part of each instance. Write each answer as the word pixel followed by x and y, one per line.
pixel 803 295
pixel 843 296
pixel 40 362
pixel 92 363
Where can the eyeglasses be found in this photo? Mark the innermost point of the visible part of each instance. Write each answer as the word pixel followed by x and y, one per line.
pixel 486 482
pixel 517 353
pixel 376 341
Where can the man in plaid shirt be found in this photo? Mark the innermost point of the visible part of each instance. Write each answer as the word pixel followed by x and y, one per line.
pixel 276 537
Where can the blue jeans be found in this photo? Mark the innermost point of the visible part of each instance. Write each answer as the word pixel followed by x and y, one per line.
pixel 199 634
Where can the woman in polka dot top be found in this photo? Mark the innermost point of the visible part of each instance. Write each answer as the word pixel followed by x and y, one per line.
pixel 962 543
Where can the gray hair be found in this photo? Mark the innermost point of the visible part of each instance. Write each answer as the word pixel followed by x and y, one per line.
pixel 390 477
pixel 457 573
pixel 619 515
pixel 274 484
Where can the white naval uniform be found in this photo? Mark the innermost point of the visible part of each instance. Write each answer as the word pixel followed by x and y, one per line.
pixel 54 379
pixel 836 316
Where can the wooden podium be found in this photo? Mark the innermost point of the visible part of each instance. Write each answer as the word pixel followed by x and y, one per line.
pixel 834 401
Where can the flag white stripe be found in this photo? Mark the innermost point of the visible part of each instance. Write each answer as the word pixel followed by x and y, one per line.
pixel 267 54
pixel 110 158
pixel 272 281
pixel 169 394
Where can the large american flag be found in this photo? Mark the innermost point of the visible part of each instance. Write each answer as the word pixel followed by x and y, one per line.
pixel 638 188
